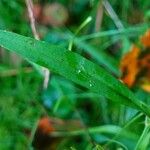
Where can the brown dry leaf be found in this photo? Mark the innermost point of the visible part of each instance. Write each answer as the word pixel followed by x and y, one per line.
pixel 129 66
pixel 145 39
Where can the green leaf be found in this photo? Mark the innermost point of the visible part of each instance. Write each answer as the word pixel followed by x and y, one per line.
pixel 101 57
pixel 72 66
pixel 143 141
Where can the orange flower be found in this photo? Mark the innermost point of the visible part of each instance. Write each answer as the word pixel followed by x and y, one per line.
pixel 45 125
pixel 145 39
pixel 135 65
pixel 129 66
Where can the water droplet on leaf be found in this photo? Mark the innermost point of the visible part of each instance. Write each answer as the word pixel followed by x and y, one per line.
pixel 79 71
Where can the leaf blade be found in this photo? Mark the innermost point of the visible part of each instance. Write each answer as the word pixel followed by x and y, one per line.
pixel 72 66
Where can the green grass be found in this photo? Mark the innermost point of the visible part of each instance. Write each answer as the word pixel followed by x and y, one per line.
pixel 83 83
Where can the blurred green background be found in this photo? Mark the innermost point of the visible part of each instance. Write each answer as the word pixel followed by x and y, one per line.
pixel 115 25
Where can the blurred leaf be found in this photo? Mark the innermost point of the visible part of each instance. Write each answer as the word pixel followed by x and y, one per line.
pixel 143 141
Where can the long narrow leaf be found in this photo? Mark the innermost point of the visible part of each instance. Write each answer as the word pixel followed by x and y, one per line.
pixel 72 66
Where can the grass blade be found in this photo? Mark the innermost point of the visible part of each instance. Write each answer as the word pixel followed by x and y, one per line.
pixel 72 66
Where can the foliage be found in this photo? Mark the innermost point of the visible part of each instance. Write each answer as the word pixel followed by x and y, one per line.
pixel 98 93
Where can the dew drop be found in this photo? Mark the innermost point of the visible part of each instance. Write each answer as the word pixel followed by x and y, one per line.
pixel 79 71
pixel 91 84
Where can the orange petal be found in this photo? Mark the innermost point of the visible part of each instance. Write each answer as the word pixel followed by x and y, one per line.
pixel 146 87
pixel 129 66
pixel 145 39
pixel 45 125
